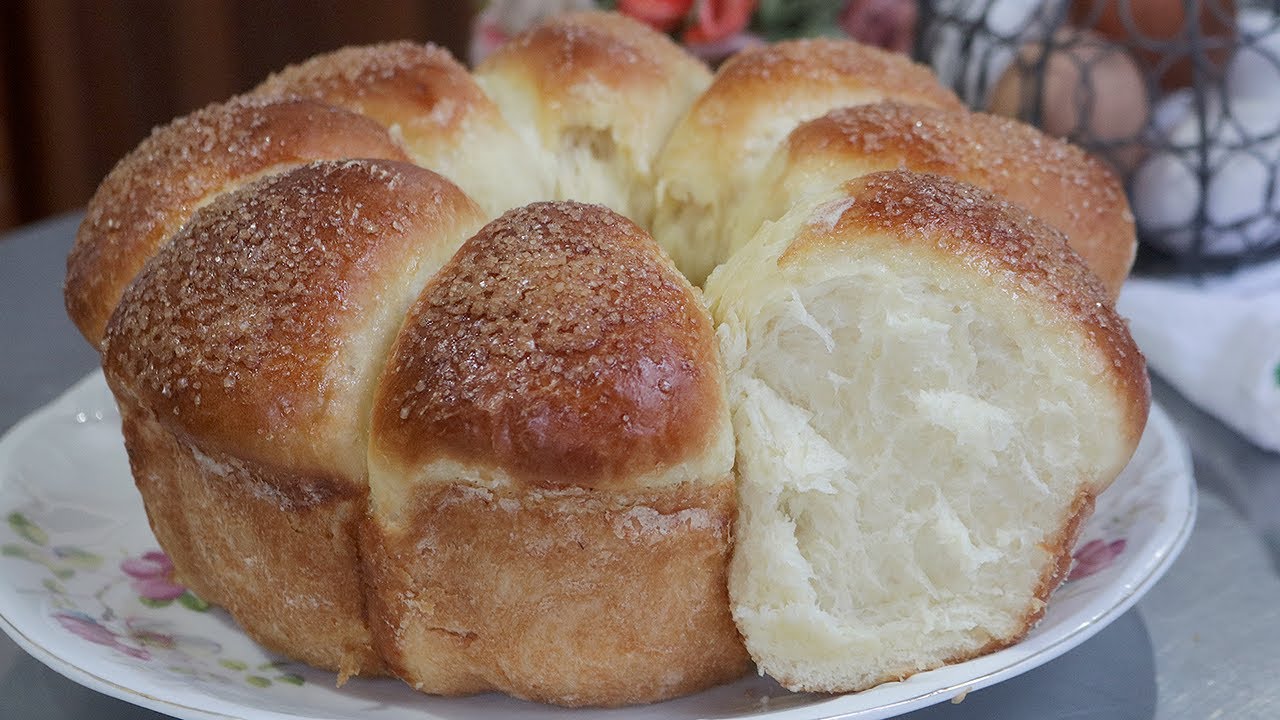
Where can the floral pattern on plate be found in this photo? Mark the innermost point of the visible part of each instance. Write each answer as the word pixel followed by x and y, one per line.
pixel 84 589
pixel 114 606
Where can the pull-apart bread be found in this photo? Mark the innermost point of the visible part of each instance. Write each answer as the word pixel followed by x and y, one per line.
pixel 401 401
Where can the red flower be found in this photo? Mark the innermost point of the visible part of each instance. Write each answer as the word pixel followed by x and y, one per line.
pixel 890 24
pixel 662 15
pixel 718 19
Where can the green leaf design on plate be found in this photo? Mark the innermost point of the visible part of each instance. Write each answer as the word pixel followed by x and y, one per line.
pixel 273 665
pixel 18 551
pixel 77 558
pixel 1277 373
pixel 235 665
pixel 189 601
pixel 149 602
pixel 258 681
pixel 291 678
pixel 27 529
pixel 53 586
pixel 62 573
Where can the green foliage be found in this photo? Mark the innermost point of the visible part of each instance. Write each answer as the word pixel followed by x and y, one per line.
pixel 781 19
pixel 190 601
pixel 26 529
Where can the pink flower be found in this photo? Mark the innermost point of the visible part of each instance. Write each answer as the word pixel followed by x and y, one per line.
pixel 1095 556
pixel 890 24
pixel 89 629
pixel 486 36
pixel 719 19
pixel 661 15
pixel 152 576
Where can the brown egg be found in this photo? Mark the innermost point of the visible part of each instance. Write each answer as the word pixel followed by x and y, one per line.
pixel 1092 93
pixel 1139 23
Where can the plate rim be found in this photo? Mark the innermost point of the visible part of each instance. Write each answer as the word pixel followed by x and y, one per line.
pixel 1172 540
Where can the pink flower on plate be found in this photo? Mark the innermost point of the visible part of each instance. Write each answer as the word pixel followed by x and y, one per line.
pixel 1095 556
pixel 87 628
pixel 151 576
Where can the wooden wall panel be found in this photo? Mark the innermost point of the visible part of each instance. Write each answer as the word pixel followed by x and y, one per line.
pixel 8 176
pixel 83 81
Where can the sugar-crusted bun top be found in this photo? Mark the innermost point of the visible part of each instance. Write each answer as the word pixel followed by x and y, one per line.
pixel 181 166
pixel 1058 182
pixel 261 326
pixel 559 345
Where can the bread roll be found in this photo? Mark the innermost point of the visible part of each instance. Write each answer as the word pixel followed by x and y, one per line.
pixel 431 103
pixel 718 149
pixel 597 94
pixel 181 166
pixel 928 390
pixel 243 359
pixel 550 468
pixel 1057 182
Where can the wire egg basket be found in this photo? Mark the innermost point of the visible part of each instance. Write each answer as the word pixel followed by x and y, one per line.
pixel 1181 97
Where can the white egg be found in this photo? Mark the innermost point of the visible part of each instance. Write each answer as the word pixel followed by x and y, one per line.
pixel 1166 194
pixel 1241 199
pixel 973 48
pixel 1254 70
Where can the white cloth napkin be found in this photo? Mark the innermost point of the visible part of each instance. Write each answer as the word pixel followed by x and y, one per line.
pixel 1217 342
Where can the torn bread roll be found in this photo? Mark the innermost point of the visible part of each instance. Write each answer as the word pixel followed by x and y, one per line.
pixel 928 390
pixel 431 103
pixel 718 149
pixel 596 94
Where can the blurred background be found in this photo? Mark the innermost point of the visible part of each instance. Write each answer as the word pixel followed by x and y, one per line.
pixel 83 81
pixel 1181 97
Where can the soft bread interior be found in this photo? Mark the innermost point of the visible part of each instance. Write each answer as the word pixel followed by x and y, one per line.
pixel 585 160
pixel 595 95
pixel 703 180
pixel 717 151
pixel 913 443
pixel 476 164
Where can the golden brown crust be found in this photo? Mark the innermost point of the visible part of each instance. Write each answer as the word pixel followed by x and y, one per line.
pixel 758 79
pixel 252 539
pixel 999 240
pixel 247 329
pixel 558 346
pixel 421 89
pixel 573 597
pixel 591 49
pixel 157 187
pixel 1056 181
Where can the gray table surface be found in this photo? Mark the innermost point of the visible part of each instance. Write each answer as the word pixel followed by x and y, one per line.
pixel 1203 644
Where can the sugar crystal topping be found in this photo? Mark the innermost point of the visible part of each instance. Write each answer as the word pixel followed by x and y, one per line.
pixel 559 335
pixel 241 315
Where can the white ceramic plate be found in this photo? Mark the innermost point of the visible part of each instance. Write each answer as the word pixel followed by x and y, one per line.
pixel 84 589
